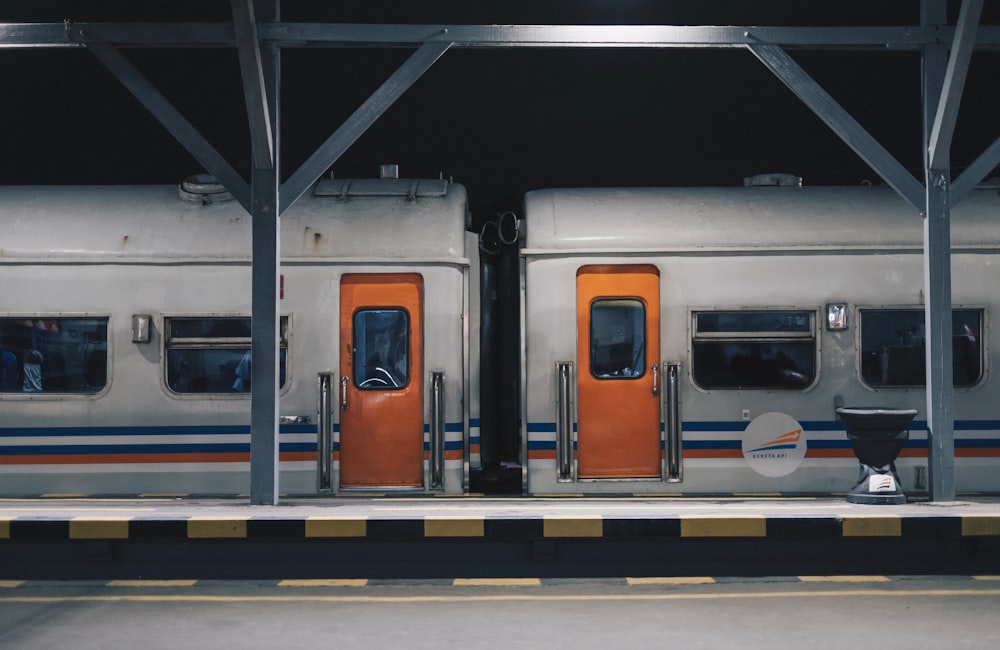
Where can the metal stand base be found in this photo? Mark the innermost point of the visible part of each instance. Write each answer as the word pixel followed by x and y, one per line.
pixel 877 486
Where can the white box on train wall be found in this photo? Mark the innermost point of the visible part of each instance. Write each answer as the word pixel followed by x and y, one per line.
pixel 168 412
pixel 698 340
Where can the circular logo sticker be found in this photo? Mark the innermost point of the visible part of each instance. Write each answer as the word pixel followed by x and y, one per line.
pixel 773 444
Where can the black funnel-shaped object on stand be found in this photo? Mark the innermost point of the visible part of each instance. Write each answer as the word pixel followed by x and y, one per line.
pixel 877 435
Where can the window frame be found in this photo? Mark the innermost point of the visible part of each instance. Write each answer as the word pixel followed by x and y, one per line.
pixel 982 345
pixel 63 395
pixel 641 367
pixel 356 360
pixel 169 342
pixel 811 333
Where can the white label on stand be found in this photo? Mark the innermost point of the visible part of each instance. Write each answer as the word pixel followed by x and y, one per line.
pixel 881 483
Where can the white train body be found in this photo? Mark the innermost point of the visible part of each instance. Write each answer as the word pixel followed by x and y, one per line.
pixel 166 415
pixel 735 287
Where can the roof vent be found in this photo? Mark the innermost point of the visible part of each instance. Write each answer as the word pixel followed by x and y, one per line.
pixel 388 171
pixel 772 180
pixel 204 189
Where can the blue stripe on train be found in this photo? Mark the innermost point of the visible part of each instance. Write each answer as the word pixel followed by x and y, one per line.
pixel 165 448
pixel 807 425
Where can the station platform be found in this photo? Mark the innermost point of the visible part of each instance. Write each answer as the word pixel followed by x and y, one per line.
pixel 459 536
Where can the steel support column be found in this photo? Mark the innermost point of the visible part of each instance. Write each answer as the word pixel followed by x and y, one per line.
pixel 940 114
pixel 260 72
pixel 937 338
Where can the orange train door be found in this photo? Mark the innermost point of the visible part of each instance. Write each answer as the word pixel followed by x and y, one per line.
pixel 618 348
pixel 381 391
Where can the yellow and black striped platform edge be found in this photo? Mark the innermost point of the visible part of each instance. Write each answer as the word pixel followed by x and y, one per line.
pixel 463 527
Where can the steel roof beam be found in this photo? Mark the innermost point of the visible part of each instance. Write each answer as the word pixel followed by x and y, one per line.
pixel 837 118
pixel 291 35
pixel 359 122
pixel 213 162
pixel 248 46
pixel 939 145
pixel 976 172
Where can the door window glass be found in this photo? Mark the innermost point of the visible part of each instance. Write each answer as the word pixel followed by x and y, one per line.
pixel 53 355
pixel 893 349
pixel 381 348
pixel 617 338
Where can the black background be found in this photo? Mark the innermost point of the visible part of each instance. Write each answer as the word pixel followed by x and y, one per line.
pixel 500 121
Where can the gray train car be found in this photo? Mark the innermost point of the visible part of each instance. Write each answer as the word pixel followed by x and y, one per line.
pixel 125 335
pixel 698 341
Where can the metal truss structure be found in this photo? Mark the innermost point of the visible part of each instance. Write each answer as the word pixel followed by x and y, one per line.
pixel 259 37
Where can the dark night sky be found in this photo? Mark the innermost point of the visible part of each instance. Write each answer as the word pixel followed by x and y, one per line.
pixel 500 121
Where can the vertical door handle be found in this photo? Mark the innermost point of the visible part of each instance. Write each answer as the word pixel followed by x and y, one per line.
pixel 343 392
pixel 656 379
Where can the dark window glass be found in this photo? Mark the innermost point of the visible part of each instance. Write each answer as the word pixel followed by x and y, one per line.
pixel 893 349
pixel 381 348
pixel 753 321
pixel 754 364
pixel 212 355
pixel 192 328
pixel 53 355
pixel 754 349
pixel 617 338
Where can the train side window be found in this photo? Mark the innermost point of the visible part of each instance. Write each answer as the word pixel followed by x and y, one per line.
pixel 892 347
pixel 53 355
pixel 381 348
pixel 617 338
pixel 212 354
pixel 774 349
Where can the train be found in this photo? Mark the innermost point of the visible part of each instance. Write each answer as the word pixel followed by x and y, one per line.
pixel 137 300
pixel 649 341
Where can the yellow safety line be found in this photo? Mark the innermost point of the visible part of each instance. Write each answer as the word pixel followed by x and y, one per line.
pixel 886 526
pixel 454 527
pixel 843 579
pixel 573 526
pixel 336 526
pixel 466 596
pixel 746 526
pixel 151 583
pixel 497 582
pixel 672 580
pixel 98 527
pixel 325 582
pixel 980 525
pixel 216 527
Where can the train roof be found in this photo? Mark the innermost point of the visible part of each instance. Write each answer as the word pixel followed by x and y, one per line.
pixel 745 218
pixel 389 219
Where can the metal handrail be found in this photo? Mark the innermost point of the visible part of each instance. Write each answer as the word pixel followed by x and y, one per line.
pixel 325 430
pixel 437 429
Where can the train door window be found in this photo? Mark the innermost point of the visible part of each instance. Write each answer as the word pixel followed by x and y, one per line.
pixel 381 348
pixel 892 347
pixel 53 355
pixel 212 354
pixel 617 338
pixel 769 349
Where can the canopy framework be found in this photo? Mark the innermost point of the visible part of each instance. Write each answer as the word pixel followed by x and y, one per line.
pixel 259 36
